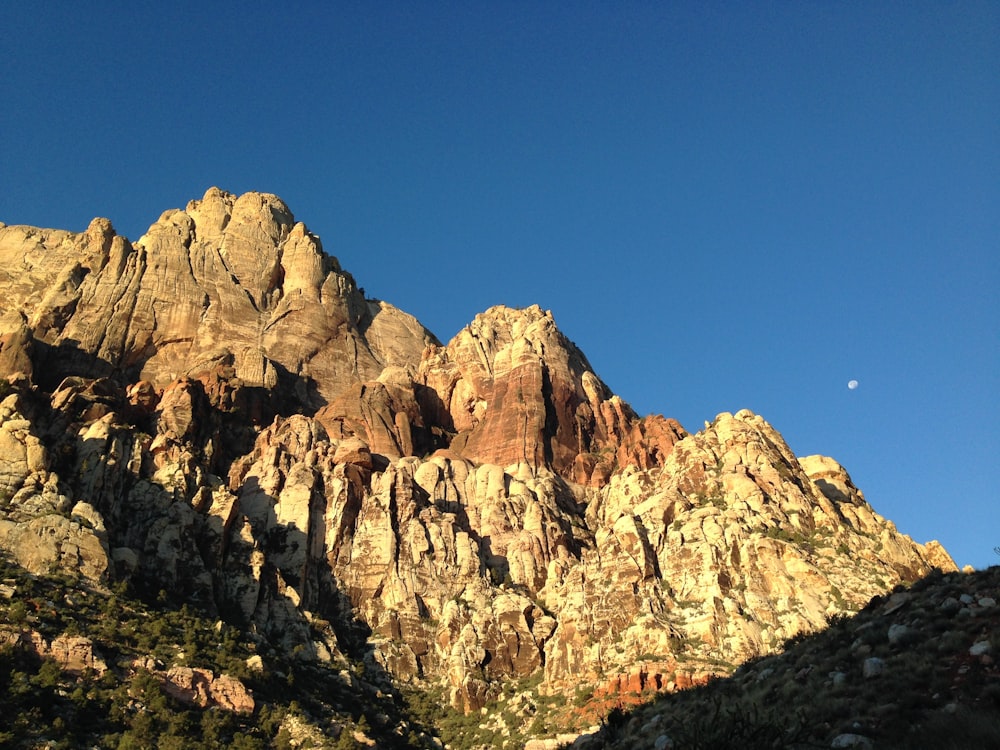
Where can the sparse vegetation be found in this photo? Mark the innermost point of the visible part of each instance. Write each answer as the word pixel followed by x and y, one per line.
pixel 128 707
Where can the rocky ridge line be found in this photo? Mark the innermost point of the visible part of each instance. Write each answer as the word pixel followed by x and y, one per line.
pixel 216 411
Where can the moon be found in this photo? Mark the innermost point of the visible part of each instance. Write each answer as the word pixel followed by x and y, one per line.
pixel 852 384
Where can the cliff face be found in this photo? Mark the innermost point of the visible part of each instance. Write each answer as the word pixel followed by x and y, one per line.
pixel 227 280
pixel 217 412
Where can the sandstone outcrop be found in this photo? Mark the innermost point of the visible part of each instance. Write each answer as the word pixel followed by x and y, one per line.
pixel 727 550
pixel 515 390
pixel 201 687
pixel 73 653
pixel 42 528
pixel 217 412
pixel 226 277
pixel 912 669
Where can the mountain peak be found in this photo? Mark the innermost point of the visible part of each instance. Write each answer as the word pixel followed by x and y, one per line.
pixel 226 277
pixel 217 412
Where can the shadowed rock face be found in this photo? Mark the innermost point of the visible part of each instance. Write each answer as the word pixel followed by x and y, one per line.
pixel 216 411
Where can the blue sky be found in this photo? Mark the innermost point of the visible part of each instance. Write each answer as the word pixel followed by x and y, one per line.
pixel 725 205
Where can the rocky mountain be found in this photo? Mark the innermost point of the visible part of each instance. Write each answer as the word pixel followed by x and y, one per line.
pixel 216 415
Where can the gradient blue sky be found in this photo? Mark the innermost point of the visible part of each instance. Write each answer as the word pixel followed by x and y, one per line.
pixel 725 205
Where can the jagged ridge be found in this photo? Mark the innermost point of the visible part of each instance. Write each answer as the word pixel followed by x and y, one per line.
pixel 216 411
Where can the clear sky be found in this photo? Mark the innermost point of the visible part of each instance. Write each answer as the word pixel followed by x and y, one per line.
pixel 725 205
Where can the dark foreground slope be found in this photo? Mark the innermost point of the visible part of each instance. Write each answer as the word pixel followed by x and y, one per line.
pixel 86 667
pixel 81 668
pixel 914 669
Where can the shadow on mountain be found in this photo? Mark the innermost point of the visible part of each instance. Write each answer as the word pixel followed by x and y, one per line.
pixel 914 668
pixel 55 362
pixel 180 550
pixel 292 394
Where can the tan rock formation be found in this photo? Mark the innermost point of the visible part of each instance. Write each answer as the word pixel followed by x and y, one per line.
pixel 74 653
pixel 730 548
pixel 216 411
pixel 201 687
pixel 40 527
pixel 517 391
pixel 226 275
pixel 16 346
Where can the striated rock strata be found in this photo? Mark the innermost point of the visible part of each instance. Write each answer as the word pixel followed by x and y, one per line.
pixel 216 412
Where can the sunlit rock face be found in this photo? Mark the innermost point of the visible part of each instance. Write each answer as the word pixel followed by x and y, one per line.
pixel 226 278
pixel 727 549
pixel 216 412
pixel 516 390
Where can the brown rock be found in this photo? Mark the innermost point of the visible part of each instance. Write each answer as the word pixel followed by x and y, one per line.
pixel 517 391
pixel 34 529
pixel 74 653
pixel 201 687
pixel 249 433
pixel 228 271
pixel 353 451
pixel 16 346
pixel 143 396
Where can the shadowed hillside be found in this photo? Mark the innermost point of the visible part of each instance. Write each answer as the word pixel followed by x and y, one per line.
pixel 914 669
